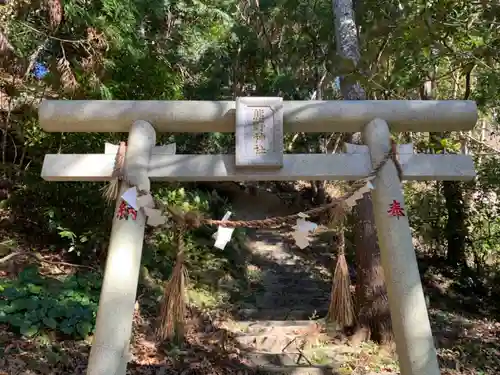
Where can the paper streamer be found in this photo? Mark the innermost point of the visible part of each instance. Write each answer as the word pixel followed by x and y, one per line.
pixel 130 196
pixel 405 153
pixel 302 241
pixel 146 201
pixel 223 235
pixel 358 194
pixel 155 217
pixel 302 230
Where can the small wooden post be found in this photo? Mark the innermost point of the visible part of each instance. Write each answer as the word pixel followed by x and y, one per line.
pixel 109 354
pixel 412 330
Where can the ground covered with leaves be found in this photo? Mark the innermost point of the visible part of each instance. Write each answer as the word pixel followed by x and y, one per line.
pixel 48 307
pixel 55 306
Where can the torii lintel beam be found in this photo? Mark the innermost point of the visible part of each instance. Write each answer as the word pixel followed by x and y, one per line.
pixel 162 167
pixel 102 116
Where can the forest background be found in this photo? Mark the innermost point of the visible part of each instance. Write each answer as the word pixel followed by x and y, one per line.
pixel 219 50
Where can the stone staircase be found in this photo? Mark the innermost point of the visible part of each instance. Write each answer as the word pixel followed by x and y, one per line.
pixel 278 331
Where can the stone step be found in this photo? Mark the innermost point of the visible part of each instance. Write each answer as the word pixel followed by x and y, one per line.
pixel 304 291
pixel 282 313
pixel 296 370
pixel 292 303
pixel 286 326
pixel 266 326
pixel 278 336
pixel 289 280
pixel 276 343
pixel 282 363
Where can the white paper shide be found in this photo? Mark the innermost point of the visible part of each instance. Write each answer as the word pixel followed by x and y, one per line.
pixel 302 230
pixel 358 194
pixel 223 234
pixel 130 197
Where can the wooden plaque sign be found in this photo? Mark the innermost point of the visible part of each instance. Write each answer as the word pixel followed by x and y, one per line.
pixel 259 132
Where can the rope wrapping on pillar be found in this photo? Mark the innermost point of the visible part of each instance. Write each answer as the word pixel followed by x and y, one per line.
pixel 334 210
pixel 111 191
pixel 193 219
pixel 395 158
pixel 173 307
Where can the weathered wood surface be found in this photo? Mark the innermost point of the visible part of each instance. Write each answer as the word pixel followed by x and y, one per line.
pixel 163 167
pixel 219 116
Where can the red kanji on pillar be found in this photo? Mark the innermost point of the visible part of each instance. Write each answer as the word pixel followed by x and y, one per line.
pixel 395 209
pixel 124 211
pixel 132 213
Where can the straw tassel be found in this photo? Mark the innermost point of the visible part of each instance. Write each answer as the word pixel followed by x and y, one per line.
pixel 173 304
pixel 111 191
pixel 341 309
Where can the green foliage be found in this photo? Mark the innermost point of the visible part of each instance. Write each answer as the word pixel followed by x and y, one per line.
pixel 81 224
pixel 33 303
pixel 205 263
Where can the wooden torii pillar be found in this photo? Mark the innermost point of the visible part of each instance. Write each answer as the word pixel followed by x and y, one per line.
pixel 415 348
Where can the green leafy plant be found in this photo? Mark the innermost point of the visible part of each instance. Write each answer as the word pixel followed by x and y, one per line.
pixel 195 240
pixel 33 303
pixel 205 263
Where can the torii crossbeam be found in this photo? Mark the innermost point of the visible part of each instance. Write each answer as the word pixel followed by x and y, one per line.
pixel 415 347
pixel 186 168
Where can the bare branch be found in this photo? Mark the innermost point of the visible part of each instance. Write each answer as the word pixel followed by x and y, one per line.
pixel 39 258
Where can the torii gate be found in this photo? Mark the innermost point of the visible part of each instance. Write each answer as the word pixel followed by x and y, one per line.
pixel 265 117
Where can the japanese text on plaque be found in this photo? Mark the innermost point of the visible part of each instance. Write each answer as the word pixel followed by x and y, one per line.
pixel 258 131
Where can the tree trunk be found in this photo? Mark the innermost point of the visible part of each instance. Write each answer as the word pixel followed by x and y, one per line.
pixel 372 305
pixel 457 205
pixel 374 319
pixel 456 229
